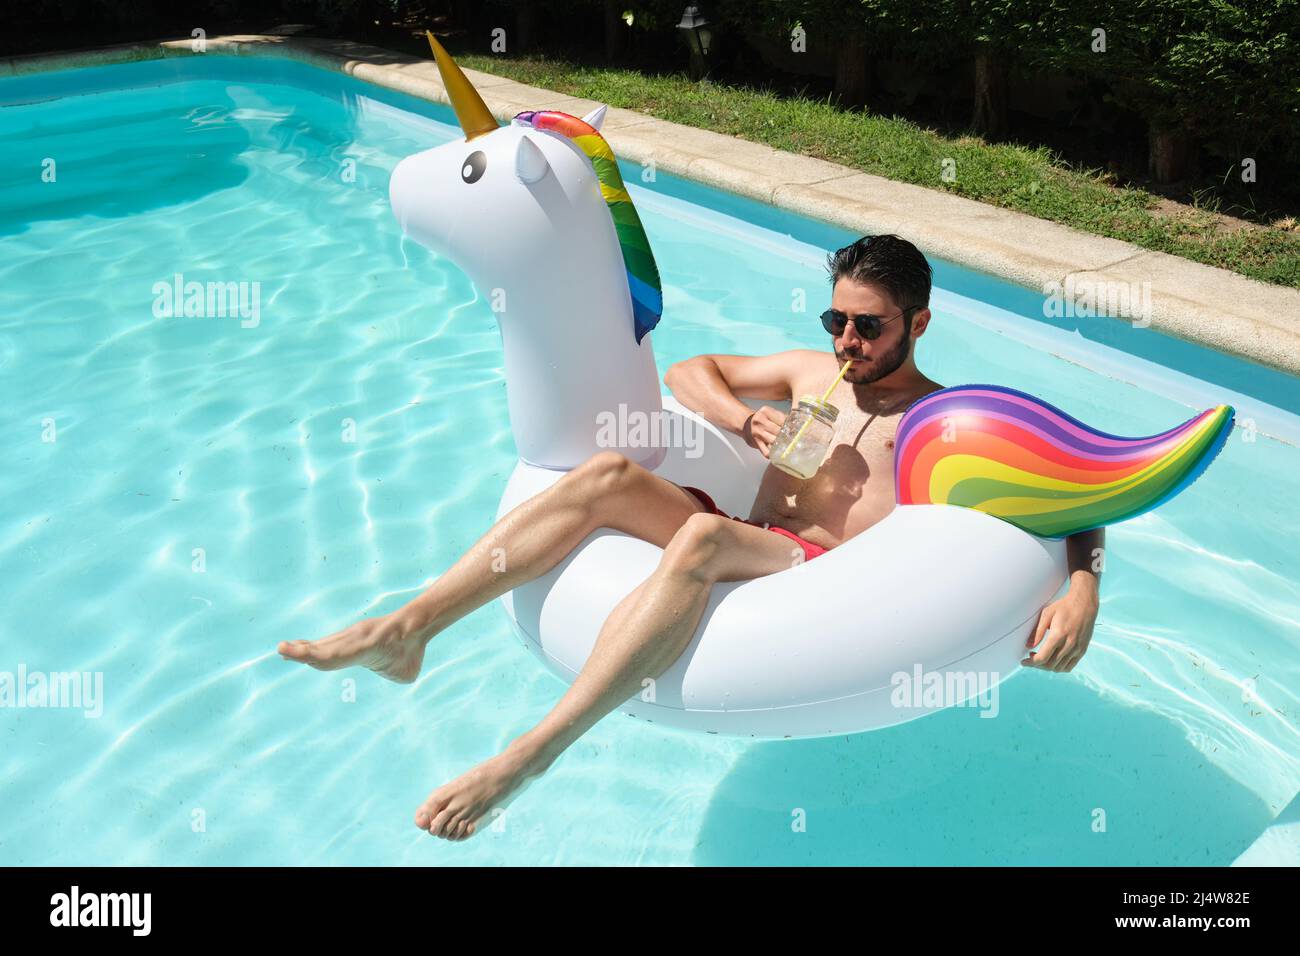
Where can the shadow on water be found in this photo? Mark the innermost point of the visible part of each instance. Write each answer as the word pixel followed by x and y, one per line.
pixel 173 131
pixel 73 157
pixel 956 789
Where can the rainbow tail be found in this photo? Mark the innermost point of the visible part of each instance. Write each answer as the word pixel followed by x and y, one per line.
pixel 1020 459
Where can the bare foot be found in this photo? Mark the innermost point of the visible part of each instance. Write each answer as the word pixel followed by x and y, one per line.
pixel 392 646
pixel 454 810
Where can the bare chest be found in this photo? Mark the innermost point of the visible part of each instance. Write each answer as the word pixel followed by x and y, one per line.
pixel 852 490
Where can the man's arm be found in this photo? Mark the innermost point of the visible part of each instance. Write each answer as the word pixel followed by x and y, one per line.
pixel 713 385
pixel 1068 622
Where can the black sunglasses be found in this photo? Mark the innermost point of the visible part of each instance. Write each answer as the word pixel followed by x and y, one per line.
pixel 868 326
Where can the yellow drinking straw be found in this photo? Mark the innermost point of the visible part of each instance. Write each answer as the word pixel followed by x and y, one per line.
pixel 825 395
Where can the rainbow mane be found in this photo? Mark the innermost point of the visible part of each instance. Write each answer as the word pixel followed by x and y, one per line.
pixel 642 273
pixel 1018 458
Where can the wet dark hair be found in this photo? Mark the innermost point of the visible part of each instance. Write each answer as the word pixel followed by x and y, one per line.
pixel 887 261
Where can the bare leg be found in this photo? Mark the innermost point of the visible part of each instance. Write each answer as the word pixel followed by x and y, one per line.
pixel 606 491
pixel 644 634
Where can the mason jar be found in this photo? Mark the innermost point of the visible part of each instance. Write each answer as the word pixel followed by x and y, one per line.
pixel 805 437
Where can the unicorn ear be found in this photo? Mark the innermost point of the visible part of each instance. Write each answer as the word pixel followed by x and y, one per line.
pixel 530 163
pixel 595 117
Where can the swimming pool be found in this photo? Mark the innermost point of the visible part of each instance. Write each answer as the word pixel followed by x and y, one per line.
pixel 183 492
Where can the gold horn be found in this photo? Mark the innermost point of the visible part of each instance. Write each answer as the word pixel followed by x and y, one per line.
pixel 474 116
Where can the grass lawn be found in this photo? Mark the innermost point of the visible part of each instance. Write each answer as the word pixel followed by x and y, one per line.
pixel 1030 180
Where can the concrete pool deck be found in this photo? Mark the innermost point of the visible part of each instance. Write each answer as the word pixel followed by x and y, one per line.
pixel 1198 303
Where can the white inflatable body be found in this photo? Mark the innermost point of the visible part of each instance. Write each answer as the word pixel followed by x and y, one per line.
pixel 837 645
pixel 934 596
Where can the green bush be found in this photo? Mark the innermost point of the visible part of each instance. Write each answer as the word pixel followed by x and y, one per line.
pixel 1227 73
pixel 1224 74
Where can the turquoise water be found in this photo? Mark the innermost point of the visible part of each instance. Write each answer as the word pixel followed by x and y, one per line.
pixel 179 494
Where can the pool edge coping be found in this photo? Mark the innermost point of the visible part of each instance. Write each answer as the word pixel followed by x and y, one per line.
pixel 1255 321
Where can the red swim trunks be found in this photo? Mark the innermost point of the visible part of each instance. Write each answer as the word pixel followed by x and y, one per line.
pixel 810 550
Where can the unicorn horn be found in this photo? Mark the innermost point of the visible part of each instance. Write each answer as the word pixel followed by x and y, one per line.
pixel 474 116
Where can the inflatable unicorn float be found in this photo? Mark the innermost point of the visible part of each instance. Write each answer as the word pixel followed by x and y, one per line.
pixel 989 480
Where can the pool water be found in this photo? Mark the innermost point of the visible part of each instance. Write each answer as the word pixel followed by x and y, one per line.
pixel 181 493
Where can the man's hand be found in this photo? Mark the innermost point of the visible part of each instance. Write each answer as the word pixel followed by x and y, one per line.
pixel 1068 625
pixel 761 428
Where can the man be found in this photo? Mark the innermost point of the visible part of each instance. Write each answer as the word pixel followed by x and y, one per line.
pixel 879 308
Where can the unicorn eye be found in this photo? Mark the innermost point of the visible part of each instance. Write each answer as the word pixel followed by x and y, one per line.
pixel 475 164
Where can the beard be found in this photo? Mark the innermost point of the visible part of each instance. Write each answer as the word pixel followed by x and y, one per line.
pixel 882 365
